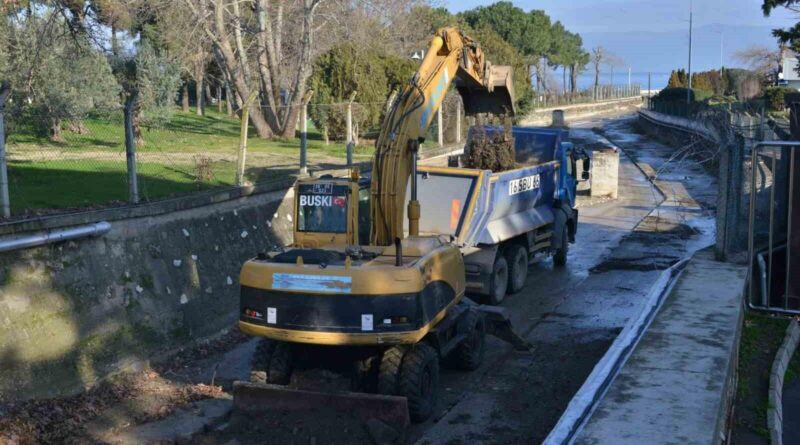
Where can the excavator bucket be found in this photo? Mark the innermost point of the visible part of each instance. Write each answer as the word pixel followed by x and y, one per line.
pixel 497 99
pixel 255 398
pixel 499 325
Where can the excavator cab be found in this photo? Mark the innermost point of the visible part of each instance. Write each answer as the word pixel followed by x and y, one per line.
pixel 326 212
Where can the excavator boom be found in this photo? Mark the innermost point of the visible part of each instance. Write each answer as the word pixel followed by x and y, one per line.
pixel 485 89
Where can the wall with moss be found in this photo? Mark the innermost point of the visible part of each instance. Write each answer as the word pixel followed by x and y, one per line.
pixel 73 312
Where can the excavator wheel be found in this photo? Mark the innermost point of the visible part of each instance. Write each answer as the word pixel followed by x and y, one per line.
pixel 469 354
pixel 419 380
pixel 389 371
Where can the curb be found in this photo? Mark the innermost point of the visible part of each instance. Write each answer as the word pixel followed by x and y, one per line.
pixel 779 365
pixel 593 390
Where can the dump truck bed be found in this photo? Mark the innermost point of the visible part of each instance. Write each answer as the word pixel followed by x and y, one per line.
pixel 481 207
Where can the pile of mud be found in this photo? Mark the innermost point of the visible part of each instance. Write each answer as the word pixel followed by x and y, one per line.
pixel 493 152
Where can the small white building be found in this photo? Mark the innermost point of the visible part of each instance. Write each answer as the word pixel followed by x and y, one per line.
pixel 787 72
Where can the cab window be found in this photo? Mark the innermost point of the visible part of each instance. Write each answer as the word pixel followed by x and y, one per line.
pixel 322 208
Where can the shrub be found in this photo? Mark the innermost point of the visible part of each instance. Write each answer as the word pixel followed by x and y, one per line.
pixel 347 68
pixel 774 97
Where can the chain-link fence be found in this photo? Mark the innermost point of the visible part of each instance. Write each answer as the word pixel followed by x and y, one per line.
pixel 57 166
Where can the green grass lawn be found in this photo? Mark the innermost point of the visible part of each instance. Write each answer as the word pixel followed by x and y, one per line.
pixel 42 175
pixel 67 184
pixel 185 133
pixel 89 170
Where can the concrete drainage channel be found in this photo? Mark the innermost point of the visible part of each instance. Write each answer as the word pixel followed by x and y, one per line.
pixel 214 413
pixel 775 412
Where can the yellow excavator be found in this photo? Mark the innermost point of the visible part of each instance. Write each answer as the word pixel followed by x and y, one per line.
pixel 360 288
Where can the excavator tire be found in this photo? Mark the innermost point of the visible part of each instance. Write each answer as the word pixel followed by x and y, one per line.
pixel 279 371
pixel 419 380
pixel 389 371
pixel 469 354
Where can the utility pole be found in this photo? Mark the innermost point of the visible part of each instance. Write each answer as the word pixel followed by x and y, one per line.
pixel 689 91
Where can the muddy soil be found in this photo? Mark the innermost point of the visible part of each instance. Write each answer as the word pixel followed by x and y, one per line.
pixel 491 152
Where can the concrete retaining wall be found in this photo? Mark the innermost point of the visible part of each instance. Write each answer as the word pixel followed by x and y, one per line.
pixel 544 116
pixel 73 312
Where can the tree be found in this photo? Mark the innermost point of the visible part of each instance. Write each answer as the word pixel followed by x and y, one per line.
pixel 678 79
pixel 785 35
pixel 59 78
pixel 528 32
pixel 256 55
pixel 598 57
pixel 762 60
pixel 558 54
pixel 349 68
pixel 500 52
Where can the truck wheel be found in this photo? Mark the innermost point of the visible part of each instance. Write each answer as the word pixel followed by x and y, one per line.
pixel 469 354
pixel 517 258
pixel 560 257
pixel 419 381
pixel 389 370
pixel 499 281
pixel 280 364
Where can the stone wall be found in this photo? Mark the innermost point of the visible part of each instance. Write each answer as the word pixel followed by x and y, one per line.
pixel 75 311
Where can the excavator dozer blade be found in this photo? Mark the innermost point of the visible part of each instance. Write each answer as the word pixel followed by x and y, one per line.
pixel 497 99
pixel 499 325
pixel 253 398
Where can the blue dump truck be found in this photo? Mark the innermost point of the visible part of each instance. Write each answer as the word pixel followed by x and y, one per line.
pixel 503 220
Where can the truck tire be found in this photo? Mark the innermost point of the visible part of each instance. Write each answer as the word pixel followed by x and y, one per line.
pixel 389 370
pixel 280 367
pixel 469 354
pixel 419 381
pixel 498 284
pixel 517 258
pixel 560 257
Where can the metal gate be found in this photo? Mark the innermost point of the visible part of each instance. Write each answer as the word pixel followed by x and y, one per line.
pixel 774 265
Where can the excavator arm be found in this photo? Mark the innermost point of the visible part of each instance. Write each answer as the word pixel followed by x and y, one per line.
pixel 485 89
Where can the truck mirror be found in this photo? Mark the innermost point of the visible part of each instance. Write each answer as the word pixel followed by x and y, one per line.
pixel 585 175
pixel 586 165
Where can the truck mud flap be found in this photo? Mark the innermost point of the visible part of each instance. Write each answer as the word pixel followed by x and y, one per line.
pixel 499 325
pixel 253 398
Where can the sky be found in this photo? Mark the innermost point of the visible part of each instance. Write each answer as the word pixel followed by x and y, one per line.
pixel 652 35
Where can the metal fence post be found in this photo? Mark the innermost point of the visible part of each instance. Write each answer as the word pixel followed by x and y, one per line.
pixel 350 118
pixel 304 139
pixel 130 149
pixel 5 89
pixel 350 146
